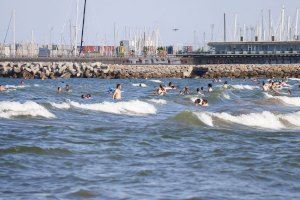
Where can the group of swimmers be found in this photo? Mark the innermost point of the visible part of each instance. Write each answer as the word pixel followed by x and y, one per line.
pixel 271 85
pixel 162 90
pixel 274 86
pixel 66 89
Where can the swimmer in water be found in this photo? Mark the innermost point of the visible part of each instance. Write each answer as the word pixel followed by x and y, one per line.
pixel 117 94
pixel 265 87
pixel 68 88
pixel 59 90
pixel 2 88
pixel 225 86
pixel 172 86
pixel 198 91
pixel 210 87
pixel 185 91
pixel 201 102
pixel 22 83
pixel 161 90
pixel 86 96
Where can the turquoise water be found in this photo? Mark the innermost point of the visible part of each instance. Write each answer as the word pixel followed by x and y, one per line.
pixel 245 145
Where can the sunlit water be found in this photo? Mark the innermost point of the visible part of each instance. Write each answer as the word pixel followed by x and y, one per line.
pixel 245 145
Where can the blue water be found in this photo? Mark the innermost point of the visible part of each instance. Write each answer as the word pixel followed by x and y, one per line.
pixel 245 145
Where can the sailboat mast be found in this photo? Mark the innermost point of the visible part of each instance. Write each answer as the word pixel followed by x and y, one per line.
pixel 76 28
pixel 82 32
pixel 14 32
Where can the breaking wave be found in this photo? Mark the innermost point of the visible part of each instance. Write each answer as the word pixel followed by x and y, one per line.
pixel 10 109
pixel 244 87
pixel 294 101
pixel 135 107
pixel 265 120
pixel 15 87
pixel 156 81
pixel 158 101
pixel 61 105
pixel 293 118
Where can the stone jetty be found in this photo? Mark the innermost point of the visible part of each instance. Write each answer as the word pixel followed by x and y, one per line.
pixel 53 70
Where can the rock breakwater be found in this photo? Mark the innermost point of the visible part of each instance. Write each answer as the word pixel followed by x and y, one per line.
pixel 52 70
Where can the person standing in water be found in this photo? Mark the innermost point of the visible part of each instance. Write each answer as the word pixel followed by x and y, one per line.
pixel 225 86
pixel 59 90
pixel 68 88
pixel 185 91
pixel 117 93
pixel 161 90
pixel 2 88
pixel 210 87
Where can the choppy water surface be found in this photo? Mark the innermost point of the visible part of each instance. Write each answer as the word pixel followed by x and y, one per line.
pixel 245 145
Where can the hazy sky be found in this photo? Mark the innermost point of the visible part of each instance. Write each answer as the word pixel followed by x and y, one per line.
pixel 187 15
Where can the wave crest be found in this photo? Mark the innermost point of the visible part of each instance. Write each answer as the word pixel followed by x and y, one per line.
pixel 135 107
pixel 294 101
pixel 244 87
pixel 266 120
pixel 9 109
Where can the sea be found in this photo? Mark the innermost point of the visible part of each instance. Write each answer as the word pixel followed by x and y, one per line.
pixel 244 145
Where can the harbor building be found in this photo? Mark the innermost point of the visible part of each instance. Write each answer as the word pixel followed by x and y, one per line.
pixel 252 52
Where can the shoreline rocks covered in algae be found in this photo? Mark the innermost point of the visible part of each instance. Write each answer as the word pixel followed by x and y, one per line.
pixel 52 70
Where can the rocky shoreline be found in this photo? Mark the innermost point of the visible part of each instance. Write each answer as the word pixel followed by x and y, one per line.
pixel 53 70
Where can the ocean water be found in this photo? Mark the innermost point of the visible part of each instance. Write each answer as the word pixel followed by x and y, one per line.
pixel 245 145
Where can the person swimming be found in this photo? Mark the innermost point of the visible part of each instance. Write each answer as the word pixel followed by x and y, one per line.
pixel 225 86
pixel 86 96
pixel 210 89
pixel 185 91
pixel 2 88
pixel 161 90
pixel 68 88
pixel 117 93
pixel 22 82
pixel 172 86
pixel 201 102
pixel 59 90
pixel 265 87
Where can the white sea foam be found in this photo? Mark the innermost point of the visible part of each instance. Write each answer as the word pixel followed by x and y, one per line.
pixel 265 119
pixel 139 85
pixel 61 105
pixel 9 109
pixel 294 101
pixel 156 81
pixel 244 87
pixel 294 79
pixel 158 101
pixel 193 99
pixel 14 87
pixel 226 96
pixel 135 107
pixel 292 118
pixel 206 118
